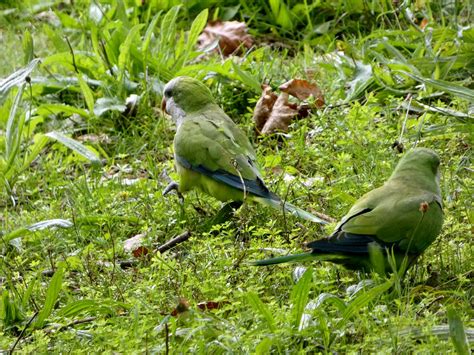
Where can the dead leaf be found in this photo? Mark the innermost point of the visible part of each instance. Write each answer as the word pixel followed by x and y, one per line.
pixel 302 90
pixel 424 23
pixel 183 306
pixel 209 305
pixel 232 36
pixel 134 246
pixel 264 107
pixel 281 116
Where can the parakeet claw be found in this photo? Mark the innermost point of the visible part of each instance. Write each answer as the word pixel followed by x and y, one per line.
pixel 173 185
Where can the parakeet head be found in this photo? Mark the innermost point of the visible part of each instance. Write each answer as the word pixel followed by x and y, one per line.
pixel 422 160
pixel 183 95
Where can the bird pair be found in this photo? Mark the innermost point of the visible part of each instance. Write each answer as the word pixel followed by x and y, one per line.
pixel 386 229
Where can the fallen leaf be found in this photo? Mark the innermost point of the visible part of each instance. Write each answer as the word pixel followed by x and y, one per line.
pixel 424 23
pixel 209 305
pixel 140 251
pixel 264 107
pixel 281 116
pixel 302 90
pixel 183 306
pixel 134 246
pixel 232 36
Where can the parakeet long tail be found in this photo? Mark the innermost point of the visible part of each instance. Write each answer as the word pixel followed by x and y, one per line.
pixel 285 259
pixel 298 212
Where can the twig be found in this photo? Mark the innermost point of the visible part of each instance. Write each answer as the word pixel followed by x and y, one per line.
pixel 173 242
pixel 72 54
pixel 22 333
pixel 81 321
pixel 167 335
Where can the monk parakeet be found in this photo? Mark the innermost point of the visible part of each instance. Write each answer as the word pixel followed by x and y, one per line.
pixel 211 153
pixel 402 217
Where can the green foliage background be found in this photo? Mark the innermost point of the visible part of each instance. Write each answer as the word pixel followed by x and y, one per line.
pixel 81 171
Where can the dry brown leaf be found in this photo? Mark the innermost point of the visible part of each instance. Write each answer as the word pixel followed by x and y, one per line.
pixel 182 307
pixel 210 305
pixel 282 114
pixel 264 107
pixel 134 246
pixel 424 23
pixel 232 36
pixel 302 90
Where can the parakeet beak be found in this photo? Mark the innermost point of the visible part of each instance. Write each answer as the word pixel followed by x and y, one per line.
pixel 163 105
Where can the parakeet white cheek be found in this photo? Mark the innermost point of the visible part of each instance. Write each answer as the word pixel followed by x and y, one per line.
pixel 175 111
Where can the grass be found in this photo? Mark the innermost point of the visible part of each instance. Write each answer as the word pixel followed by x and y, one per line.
pixel 72 151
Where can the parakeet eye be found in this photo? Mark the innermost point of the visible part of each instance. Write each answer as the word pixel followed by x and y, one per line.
pixel 168 92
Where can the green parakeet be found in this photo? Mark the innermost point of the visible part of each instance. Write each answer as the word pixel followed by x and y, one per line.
pixel 211 153
pixel 402 217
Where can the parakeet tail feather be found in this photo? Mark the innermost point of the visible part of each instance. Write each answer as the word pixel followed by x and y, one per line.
pixel 285 259
pixel 298 212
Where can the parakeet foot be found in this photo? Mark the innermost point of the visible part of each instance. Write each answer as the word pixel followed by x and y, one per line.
pixel 173 185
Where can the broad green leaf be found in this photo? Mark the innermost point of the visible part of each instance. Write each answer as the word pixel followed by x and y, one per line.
pixel 105 104
pixel 449 87
pixel 250 81
pixel 14 127
pixel 196 28
pixel 149 33
pixel 40 142
pixel 63 223
pixel 87 93
pixel 16 78
pixel 260 307
pixel 299 296
pixel 50 223
pixel 49 109
pixel 264 346
pixel 124 55
pixel 89 307
pixel 362 300
pixel 76 146
pixel 332 299
pixel 362 80
pixel 10 311
pixel 51 297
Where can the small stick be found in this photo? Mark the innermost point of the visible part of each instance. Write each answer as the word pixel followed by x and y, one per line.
pixel 23 332
pixel 173 242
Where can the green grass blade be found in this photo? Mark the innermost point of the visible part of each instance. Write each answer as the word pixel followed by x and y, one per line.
pixel 27 43
pixel 76 146
pixel 457 333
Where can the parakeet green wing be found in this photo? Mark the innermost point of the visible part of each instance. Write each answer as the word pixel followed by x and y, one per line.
pixel 212 153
